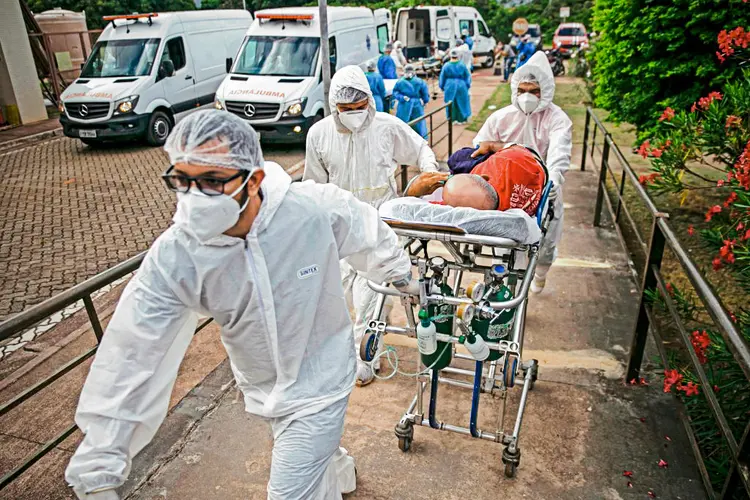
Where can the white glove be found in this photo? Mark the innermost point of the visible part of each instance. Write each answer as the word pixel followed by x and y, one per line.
pixel 110 494
pixel 557 179
pixel 411 287
pixel 406 98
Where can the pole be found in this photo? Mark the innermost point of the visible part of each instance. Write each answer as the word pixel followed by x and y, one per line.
pixel 244 5
pixel 325 54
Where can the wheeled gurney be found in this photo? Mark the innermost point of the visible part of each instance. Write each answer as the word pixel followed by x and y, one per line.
pixel 486 317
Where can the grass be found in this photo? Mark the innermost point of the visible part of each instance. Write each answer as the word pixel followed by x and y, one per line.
pixel 499 98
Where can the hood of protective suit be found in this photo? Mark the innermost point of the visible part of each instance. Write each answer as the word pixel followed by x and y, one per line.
pixel 350 76
pixel 537 68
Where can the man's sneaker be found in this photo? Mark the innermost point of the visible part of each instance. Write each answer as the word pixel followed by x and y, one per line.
pixel 364 374
pixel 537 285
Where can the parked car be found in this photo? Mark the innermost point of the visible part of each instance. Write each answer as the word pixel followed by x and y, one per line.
pixel 431 31
pixel 276 82
pixel 147 71
pixel 569 37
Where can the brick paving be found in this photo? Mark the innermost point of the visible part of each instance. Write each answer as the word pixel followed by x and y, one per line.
pixel 68 212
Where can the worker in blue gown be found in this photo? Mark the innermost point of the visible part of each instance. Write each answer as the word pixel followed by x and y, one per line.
pixel 386 65
pixel 412 94
pixel 377 86
pixel 455 82
pixel 525 50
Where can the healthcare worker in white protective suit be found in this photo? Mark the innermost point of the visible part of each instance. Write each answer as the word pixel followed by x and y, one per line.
pixel 359 149
pixel 534 120
pixel 398 57
pixel 263 260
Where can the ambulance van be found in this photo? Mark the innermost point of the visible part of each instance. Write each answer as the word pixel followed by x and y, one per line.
pixel 147 71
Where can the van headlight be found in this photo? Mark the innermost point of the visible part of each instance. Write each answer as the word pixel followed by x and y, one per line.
pixel 126 105
pixel 218 105
pixel 295 108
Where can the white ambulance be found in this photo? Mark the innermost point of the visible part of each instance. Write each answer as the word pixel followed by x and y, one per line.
pixel 276 83
pixel 427 31
pixel 146 71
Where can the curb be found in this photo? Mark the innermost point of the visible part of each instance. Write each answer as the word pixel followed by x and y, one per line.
pixel 29 140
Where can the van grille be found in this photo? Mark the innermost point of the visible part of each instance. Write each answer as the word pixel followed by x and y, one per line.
pixel 253 110
pixel 87 110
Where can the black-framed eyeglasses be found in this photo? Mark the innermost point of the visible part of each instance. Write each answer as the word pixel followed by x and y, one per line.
pixel 210 186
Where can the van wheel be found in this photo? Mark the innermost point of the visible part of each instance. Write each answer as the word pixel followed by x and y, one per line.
pixel 489 61
pixel 159 127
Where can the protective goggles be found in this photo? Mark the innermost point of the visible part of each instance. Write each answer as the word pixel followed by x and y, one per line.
pixel 210 186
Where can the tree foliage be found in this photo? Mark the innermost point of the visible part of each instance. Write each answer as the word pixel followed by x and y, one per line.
pixel 657 53
pixel 96 9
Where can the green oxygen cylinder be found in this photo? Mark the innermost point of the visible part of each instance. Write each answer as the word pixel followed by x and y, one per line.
pixel 501 327
pixel 442 317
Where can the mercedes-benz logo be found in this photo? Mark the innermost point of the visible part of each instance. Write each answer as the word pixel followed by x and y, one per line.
pixel 249 110
pixel 83 110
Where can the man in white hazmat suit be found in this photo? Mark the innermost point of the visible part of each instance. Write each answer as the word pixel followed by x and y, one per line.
pixel 398 57
pixel 359 149
pixel 261 256
pixel 535 121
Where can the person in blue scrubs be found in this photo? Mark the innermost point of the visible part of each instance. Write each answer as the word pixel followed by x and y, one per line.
pixel 386 65
pixel 377 86
pixel 412 94
pixel 467 39
pixel 525 50
pixel 455 82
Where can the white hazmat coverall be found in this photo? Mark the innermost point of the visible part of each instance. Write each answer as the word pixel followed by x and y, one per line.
pixel 547 129
pixel 364 163
pixel 284 323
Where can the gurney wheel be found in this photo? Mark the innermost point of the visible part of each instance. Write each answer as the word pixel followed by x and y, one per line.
pixel 369 347
pixel 404 444
pixel 405 435
pixel 510 470
pixel 510 366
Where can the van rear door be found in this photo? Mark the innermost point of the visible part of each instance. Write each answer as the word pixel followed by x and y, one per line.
pixel 444 34
pixel 414 32
pixel 179 88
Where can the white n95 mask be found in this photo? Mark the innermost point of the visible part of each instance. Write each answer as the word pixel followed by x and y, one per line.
pixel 353 120
pixel 208 216
pixel 527 102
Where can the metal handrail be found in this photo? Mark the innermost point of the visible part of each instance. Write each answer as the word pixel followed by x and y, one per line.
pixel 663 237
pixel 448 105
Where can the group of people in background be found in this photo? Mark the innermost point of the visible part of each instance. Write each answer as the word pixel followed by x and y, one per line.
pixel 411 93
pixel 508 59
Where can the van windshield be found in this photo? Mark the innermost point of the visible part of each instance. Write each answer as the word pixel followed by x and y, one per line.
pixel 278 56
pixel 114 58
pixel 571 31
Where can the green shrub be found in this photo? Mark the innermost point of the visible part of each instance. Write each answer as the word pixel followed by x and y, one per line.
pixel 653 54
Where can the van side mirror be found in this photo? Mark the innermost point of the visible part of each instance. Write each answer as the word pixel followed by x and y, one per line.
pixel 229 64
pixel 166 69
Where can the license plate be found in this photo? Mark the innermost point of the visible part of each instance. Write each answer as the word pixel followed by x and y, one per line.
pixel 87 134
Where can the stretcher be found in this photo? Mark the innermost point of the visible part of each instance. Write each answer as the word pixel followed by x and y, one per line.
pixel 487 317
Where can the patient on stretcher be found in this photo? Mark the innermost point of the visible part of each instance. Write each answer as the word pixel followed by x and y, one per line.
pixel 498 198
pixel 511 178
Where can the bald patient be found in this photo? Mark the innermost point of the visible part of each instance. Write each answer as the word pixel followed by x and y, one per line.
pixel 460 190
pixel 469 190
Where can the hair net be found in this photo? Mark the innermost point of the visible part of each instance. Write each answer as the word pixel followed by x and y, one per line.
pixel 459 42
pixel 465 32
pixel 454 54
pixel 397 44
pixel 389 46
pixel 409 68
pixel 236 145
pixel 371 66
pixel 348 95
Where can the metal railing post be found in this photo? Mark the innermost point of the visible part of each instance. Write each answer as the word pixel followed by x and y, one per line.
pixel 619 200
pixel 603 167
pixel 739 466
pixel 642 324
pixel 450 128
pixel 585 139
pixel 432 131
pixel 93 318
